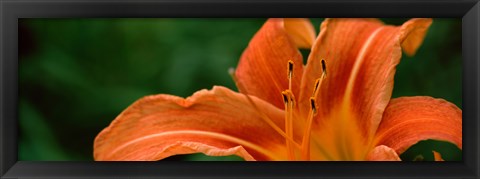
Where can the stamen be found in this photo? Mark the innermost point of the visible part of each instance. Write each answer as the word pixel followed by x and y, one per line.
pixel 317 84
pixel 290 74
pixel 324 68
pixel 263 116
pixel 291 98
pixel 307 132
pixel 319 80
pixel 313 106
pixel 313 111
pixel 288 101
pixel 285 98
pixel 271 123
pixel 290 69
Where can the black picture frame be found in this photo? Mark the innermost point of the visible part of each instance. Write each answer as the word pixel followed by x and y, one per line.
pixel 11 11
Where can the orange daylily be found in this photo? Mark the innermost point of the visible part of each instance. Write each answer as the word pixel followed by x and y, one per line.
pixel 336 107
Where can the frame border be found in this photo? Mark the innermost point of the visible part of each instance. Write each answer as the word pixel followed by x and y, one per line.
pixel 11 11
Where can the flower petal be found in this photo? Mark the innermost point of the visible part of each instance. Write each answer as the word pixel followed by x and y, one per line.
pixel 437 156
pixel 218 122
pixel 301 31
pixel 383 153
pixel 262 70
pixel 408 120
pixel 413 32
pixel 360 55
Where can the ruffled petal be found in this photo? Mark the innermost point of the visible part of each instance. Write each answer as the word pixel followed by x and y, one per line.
pixel 361 56
pixel 408 120
pixel 382 153
pixel 262 70
pixel 218 122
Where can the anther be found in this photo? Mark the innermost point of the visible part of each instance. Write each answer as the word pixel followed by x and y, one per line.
pixel 324 68
pixel 285 97
pixel 288 97
pixel 313 105
pixel 319 80
pixel 290 69
pixel 291 97
pixel 288 100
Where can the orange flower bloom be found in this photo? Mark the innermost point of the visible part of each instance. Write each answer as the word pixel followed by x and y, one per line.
pixel 336 107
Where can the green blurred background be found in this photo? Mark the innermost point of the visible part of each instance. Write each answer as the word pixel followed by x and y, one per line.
pixel 77 75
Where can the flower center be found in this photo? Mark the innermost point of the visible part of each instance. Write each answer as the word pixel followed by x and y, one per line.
pixel 289 101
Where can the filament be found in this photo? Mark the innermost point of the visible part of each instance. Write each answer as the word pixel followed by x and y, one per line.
pixel 288 101
pixel 263 116
pixel 312 112
pixel 307 132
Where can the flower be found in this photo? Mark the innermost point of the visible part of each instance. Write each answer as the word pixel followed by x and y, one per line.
pixel 336 107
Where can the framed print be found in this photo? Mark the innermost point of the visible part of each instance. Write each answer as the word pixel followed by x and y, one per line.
pixel 239 89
